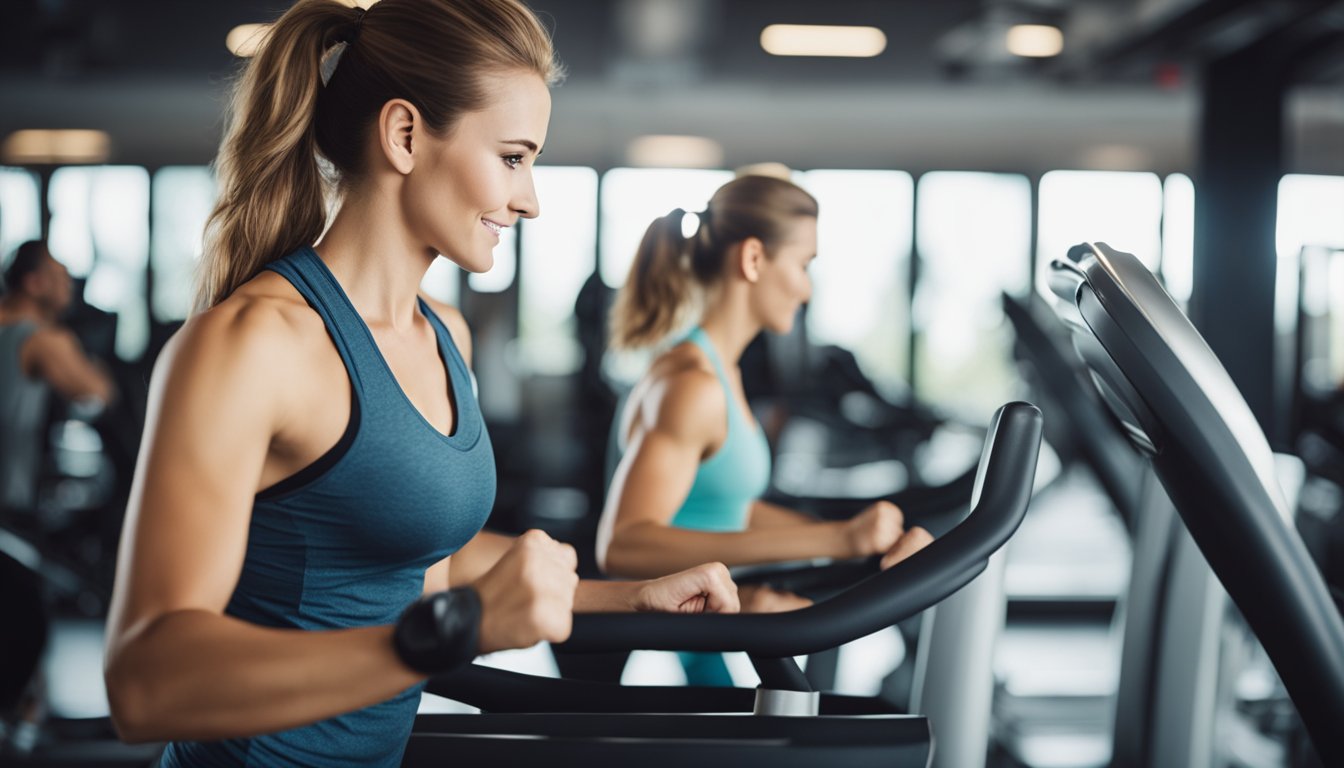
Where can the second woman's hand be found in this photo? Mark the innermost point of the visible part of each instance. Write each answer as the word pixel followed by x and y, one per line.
pixel 705 588
pixel 874 530
pixel 765 599
pixel 908 544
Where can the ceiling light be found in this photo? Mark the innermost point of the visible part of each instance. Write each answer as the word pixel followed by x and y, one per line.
pixel 1117 157
pixel 56 146
pixel 246 39
pixel 674 152
pixel 819 40
pixel 777 170
pixel 1036 41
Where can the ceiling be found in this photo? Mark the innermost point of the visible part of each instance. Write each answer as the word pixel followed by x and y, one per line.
pixel 944 94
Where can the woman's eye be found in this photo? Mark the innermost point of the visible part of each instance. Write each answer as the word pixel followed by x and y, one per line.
pixel 513 161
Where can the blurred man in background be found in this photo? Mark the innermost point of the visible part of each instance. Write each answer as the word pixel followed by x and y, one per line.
pixel 38 356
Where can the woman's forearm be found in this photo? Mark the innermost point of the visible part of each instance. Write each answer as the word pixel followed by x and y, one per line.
pixel 595 596
pixel 477 557
pixel 767 515
pixel 648 550
pixel 202 676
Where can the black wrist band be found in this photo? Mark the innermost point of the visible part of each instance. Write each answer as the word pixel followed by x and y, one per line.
pixel 440 632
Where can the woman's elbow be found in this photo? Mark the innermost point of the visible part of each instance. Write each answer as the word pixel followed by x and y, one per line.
pixel 128 700
pixel 616 558
pixel 641 551
pixel 138 706
pixel 612 560
pixel 612 550
pixel 600 555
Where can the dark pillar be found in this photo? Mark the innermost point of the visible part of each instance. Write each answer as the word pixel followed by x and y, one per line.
pixel 1239 165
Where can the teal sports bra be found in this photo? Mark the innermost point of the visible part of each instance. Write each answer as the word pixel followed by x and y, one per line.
pixel 736 475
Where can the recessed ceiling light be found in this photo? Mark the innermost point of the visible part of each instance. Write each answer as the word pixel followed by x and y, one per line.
pixel 1117 157
pixel 246 39
pixel 674 152
pixel 777 170
pixel 1037 41
pixel 822 40
pixel 56 146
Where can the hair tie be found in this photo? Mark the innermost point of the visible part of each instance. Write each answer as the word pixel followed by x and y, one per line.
pixel 703 216
pixel 676 220
pixel 330 59
pixel 359 23
pixel 333 55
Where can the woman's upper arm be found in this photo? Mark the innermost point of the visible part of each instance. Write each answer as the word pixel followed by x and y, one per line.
pixel 679 419
pixel 62 362
pixel 213 410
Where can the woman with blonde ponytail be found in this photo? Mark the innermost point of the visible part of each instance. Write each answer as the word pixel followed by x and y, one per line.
pixel 313 452
pixel 693 460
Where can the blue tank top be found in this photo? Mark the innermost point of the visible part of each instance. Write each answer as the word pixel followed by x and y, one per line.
pixel 345 542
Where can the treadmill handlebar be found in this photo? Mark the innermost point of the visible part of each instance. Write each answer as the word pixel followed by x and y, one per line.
pixel 1002 492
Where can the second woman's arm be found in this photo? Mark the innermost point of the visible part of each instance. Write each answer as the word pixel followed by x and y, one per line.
pixel 704 588
pixel 679 419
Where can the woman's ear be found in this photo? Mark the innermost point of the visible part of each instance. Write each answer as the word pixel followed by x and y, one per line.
pixel 750 256
pixel 397 122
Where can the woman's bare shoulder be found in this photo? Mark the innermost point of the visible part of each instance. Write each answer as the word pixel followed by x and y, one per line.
pixel 263 329
pixel 681 393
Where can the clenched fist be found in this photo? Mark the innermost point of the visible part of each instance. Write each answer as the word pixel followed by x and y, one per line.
pixel 874 530
pixel 703 589
pixel 528 596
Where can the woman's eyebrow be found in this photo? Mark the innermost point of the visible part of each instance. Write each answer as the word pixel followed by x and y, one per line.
pixel 532 145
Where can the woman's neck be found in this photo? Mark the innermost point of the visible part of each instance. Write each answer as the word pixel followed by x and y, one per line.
pixel 730 327
pixel 378 263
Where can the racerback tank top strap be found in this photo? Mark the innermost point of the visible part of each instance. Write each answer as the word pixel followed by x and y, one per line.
pixel 311 278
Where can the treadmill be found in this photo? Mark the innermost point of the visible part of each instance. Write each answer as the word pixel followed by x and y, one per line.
pixel 782 723
pixel 1178 406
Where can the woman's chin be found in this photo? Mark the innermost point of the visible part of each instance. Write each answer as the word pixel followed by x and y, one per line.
pixel 475 263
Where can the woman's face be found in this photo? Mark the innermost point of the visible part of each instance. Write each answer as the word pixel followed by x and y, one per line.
pixel 784 285
pixel 477 180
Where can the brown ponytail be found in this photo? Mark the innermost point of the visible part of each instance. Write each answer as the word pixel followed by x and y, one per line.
pixel 655 296
pixel 670 272
pixel 274 194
